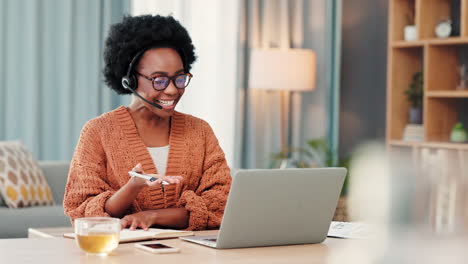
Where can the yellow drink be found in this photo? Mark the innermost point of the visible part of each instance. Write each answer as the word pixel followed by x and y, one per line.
pixel 98 243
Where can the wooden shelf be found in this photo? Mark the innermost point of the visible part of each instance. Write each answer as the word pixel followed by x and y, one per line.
pixel 439 60
pixel 401 11
pixel 405 62
pixel 408 44
pixel 448 41
pixel 447 94
pixel 401 143
pixel 444 145
pixel 436 145
pixel 435 42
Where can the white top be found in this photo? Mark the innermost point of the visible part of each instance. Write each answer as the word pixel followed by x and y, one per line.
pixel 159 156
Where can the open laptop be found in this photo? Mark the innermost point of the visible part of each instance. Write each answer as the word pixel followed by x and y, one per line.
pixel 277 207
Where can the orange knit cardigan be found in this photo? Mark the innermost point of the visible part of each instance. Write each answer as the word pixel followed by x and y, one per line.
pixel 109 147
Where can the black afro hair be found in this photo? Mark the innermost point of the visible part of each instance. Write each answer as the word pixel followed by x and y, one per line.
pixel 135 34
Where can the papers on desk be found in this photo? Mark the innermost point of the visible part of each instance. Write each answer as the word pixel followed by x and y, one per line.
pixel 349 230
pixel 127 235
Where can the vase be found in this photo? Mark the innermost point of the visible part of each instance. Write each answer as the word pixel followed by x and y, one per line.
pixel 410 33
pixel 415 115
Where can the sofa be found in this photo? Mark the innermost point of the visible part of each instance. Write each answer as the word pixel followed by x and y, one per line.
pixel 14 223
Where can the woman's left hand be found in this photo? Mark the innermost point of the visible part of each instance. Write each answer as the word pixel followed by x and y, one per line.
pixel 143 219
pixel 161 179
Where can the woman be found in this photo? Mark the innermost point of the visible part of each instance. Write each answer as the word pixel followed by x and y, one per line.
pixel 150 56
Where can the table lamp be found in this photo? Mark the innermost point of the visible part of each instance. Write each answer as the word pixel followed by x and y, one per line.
pixel 285 70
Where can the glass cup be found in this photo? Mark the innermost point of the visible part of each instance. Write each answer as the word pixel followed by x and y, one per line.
pixel 97 235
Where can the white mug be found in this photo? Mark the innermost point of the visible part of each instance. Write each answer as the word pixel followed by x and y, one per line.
pixel 410 33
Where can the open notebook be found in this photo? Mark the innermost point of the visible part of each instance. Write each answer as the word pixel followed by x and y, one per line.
pixel 350 230
pixel 127 235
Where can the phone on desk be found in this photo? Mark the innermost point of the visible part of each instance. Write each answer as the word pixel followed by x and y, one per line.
pixel 157 248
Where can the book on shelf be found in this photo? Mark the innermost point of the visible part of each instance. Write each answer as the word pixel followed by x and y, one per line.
pixel 413 133
pixel 127 235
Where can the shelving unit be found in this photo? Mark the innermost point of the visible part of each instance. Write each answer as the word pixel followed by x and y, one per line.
pixel 436 158
pixel 437 58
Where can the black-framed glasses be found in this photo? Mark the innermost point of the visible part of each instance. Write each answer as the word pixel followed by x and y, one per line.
pixel 161 82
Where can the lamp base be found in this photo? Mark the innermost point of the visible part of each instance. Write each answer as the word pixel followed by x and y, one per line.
pixel 288 163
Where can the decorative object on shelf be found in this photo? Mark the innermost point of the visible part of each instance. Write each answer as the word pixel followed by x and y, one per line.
pixel 462 77
pixel 458 133
pixel 413 133
pixel 443 28
pixel 415 96
pixel 455 7
pixel 409 31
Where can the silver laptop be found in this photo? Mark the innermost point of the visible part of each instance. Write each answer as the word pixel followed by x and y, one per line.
pixel 277 207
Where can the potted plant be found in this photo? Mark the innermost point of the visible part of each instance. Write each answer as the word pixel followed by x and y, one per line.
pixel 317 154
pixel 415 97
pixel 409 31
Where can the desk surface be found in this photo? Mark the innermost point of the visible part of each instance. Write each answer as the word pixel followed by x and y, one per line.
pixel 62 250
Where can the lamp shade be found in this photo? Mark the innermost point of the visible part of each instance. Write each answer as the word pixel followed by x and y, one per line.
pixel 282 69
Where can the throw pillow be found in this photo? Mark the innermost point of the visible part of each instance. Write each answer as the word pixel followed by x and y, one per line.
pixel 22 182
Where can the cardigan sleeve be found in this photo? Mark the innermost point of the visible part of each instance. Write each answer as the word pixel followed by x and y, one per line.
pixel 206 204
pixel 87 190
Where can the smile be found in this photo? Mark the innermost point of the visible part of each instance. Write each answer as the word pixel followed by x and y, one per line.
pixel 168 103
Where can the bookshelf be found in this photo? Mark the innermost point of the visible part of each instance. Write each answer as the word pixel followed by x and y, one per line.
pixel 438 58
pixel 436 158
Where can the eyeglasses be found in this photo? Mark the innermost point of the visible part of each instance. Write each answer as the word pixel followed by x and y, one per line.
pixel 161 82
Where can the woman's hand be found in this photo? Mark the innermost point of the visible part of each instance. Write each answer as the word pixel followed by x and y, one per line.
pixel 139 182
pixel 176 218
pixel 143 219
pixel 119 202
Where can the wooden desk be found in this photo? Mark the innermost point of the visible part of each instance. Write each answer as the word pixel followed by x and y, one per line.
pixel 62 250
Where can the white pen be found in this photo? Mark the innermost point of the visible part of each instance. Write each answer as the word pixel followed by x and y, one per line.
pixel 146 177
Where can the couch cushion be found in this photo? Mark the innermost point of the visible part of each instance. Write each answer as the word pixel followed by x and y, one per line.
pixel 56 173
pixel 22 182
pixel 15 222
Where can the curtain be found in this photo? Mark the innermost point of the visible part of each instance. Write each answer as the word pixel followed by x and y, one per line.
pixel 51 71
pixel 297 24
pixel 213 93
pixel 334 16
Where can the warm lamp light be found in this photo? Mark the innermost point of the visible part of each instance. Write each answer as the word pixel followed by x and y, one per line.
pixel 287 70
pixel 282 69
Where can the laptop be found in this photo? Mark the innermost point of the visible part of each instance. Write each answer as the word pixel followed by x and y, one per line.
pixel 277 207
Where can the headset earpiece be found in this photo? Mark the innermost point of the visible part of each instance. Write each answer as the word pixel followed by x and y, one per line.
pixel 129 83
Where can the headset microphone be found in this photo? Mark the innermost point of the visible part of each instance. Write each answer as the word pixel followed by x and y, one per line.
pixel 129 81
pixel 125 84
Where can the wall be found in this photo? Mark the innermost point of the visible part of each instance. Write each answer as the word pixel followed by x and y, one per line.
pixel 310 110
pixel 214 32
pixel 363 72
pixel 314 104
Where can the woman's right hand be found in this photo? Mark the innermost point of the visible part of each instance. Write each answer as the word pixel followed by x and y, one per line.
pixel 136 181
pixel 140 183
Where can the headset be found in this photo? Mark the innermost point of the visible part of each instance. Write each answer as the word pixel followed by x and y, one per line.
pixel 130 82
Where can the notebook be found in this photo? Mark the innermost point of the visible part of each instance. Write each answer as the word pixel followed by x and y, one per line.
pixel 127 235
pixel 349 230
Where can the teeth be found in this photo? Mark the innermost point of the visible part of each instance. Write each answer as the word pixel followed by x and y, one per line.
pixel 165 102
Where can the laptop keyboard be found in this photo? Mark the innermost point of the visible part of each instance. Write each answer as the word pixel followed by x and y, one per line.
pixel 211 239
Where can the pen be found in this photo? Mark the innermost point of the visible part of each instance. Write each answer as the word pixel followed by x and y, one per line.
pixel 146 177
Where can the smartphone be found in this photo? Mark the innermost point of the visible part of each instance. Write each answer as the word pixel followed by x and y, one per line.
pixel 157 248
